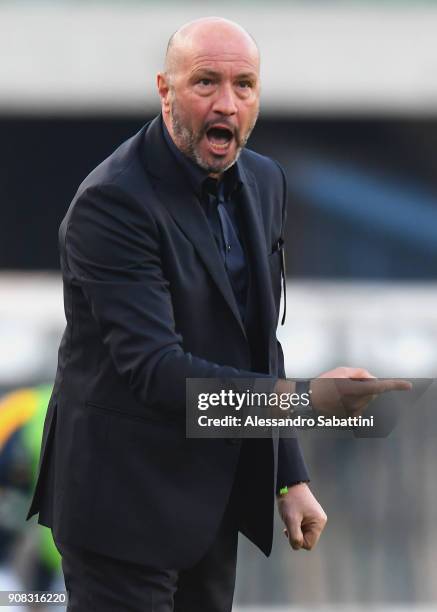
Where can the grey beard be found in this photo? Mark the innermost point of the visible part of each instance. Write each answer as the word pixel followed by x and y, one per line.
pixel 187 142
pixel 215 169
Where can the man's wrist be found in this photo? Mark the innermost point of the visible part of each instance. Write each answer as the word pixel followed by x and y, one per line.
pixel 297 389
pixel 282 491
pixel 283 385
pixel 303 389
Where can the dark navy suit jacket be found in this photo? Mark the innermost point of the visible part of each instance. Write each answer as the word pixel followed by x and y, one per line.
pixel 148 304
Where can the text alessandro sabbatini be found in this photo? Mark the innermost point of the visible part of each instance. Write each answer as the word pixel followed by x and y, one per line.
pixel 284 401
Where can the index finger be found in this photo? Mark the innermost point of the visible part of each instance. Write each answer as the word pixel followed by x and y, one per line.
pixel 375 386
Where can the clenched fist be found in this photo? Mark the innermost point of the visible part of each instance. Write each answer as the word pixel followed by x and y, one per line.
pixel 303 516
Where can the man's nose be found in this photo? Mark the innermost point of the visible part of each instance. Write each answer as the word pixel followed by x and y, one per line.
pixel 225 102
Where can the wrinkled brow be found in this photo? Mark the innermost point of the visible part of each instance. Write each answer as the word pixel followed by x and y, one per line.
pixel 208 72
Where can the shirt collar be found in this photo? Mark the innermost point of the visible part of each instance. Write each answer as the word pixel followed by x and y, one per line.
pixel 198 176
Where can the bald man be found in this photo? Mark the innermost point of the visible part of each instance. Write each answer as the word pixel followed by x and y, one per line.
pixel 171 256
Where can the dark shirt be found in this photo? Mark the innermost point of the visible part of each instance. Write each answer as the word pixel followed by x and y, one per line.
pixel 220 201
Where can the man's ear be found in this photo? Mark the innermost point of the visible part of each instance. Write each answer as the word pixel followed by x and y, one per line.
pixel 164 91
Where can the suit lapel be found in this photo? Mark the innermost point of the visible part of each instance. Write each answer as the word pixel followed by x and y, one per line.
pixel 260 292
pixel 174 190
pixel 191 219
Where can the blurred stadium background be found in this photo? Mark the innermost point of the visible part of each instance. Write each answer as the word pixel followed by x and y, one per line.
pixel 349 107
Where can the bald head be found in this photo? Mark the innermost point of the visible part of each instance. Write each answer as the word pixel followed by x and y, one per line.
pixel 207 35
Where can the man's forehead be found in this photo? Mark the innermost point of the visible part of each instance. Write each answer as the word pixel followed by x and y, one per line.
pixel 217 62
pixel 214 42
pixel 219 57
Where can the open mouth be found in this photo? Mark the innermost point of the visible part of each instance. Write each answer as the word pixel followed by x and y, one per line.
pixel 219 138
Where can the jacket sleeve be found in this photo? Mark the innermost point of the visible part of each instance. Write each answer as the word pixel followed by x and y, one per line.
pixel 291 464
pixel 112 252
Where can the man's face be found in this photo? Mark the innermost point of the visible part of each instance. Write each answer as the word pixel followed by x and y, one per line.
pixel 213 101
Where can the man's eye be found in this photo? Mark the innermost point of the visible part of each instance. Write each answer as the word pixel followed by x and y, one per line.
pixel 244 84
pixel 205 82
